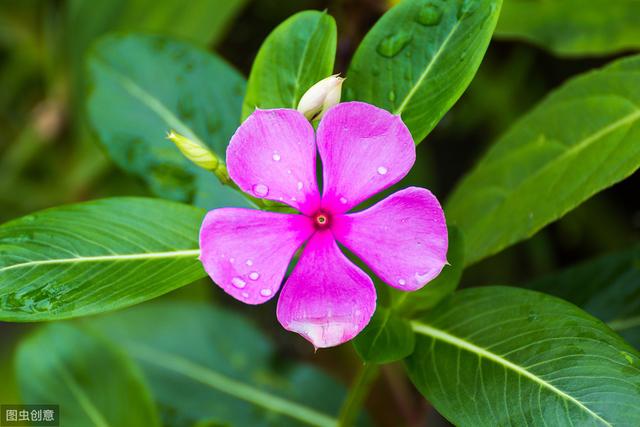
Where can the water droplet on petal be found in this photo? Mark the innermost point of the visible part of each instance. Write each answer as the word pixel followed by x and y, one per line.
pixel 382 170
pixel 402 282
pixel 254 275
pixel 238 282
pixel 343 200
pixel 276 157
pixel 265 292
pixel 299 185
pixel 424 277
pixel 289 171
pixel 249 262
pixel 391 45
pixel 430 15
pixel 260 190
pixel 293 199
pixel 232 260
pixel 245 294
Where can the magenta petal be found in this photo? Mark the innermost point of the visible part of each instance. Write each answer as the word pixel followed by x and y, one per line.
pixel 272 156
pixel 247 252
pixel 364 149
pixel 327 299
pixel 403 238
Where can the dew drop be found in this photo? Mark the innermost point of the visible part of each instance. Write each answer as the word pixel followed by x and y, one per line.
pixel 467 7
pixel 260 190
pixel 382 170
pixel 430 15
pixel 424 277
pixel 249 262
pixel 289 171
pixel 343 200
pixel 392 96
pixel 402 282
pixel 293 199
pixel 245 294
pixel 238 282
pixel 299 185
pixel 276 157
pixel 232 260
pixel 265 292
pixel 254 275
pixel 393 44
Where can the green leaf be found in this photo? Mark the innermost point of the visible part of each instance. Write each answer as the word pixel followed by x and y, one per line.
pixel 204 22
pixel 387 338
pixel 98 256
pixel 506 356
pixel 573 27
pixel 296 55
pixel 94 383
pixel 204 363
pixel 420 57
pixel 581 139
pixel 607 287
pixel 142 87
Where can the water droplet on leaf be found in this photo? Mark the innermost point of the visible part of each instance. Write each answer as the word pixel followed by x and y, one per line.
pixel 393 44
pixel 430 15
pixel 467 7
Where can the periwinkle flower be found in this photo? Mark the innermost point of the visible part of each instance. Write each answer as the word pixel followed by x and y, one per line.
pixel 327 299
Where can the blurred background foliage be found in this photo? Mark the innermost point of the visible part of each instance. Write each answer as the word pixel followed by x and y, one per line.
pixel 48 155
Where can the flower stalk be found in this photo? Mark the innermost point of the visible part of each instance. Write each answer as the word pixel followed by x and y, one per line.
pixel 358 393
pixel 206 159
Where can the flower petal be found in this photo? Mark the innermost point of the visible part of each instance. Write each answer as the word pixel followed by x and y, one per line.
pixel 327 299
pixel 364 149
pixel 247 252
pixel 403 238
pixel 272 156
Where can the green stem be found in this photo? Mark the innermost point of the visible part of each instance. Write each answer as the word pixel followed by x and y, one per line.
pixel 357 394
pixel 622 324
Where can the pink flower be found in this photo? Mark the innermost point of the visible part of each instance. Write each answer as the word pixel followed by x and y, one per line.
pixel 364 150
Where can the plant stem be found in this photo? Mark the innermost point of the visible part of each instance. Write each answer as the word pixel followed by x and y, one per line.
pixel 357 394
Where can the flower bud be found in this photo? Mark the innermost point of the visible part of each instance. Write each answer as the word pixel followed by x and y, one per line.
pixel 320 97
pixel 194 151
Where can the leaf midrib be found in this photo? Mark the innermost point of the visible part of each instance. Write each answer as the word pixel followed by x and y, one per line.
pixel 106 258
pixel 85 401
pixel 153 103
pixel 230 386
pixel 427 70
pixel 294 103
pixel 579 146
pixel 439 334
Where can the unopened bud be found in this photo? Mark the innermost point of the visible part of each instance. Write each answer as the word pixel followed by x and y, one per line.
pixel 320 97
pixel 195 151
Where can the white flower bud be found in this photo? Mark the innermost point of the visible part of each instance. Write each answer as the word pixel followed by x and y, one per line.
pixel 194 151
pixel 320 97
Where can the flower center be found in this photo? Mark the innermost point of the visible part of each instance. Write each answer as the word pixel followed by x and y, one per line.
pixel 321 220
